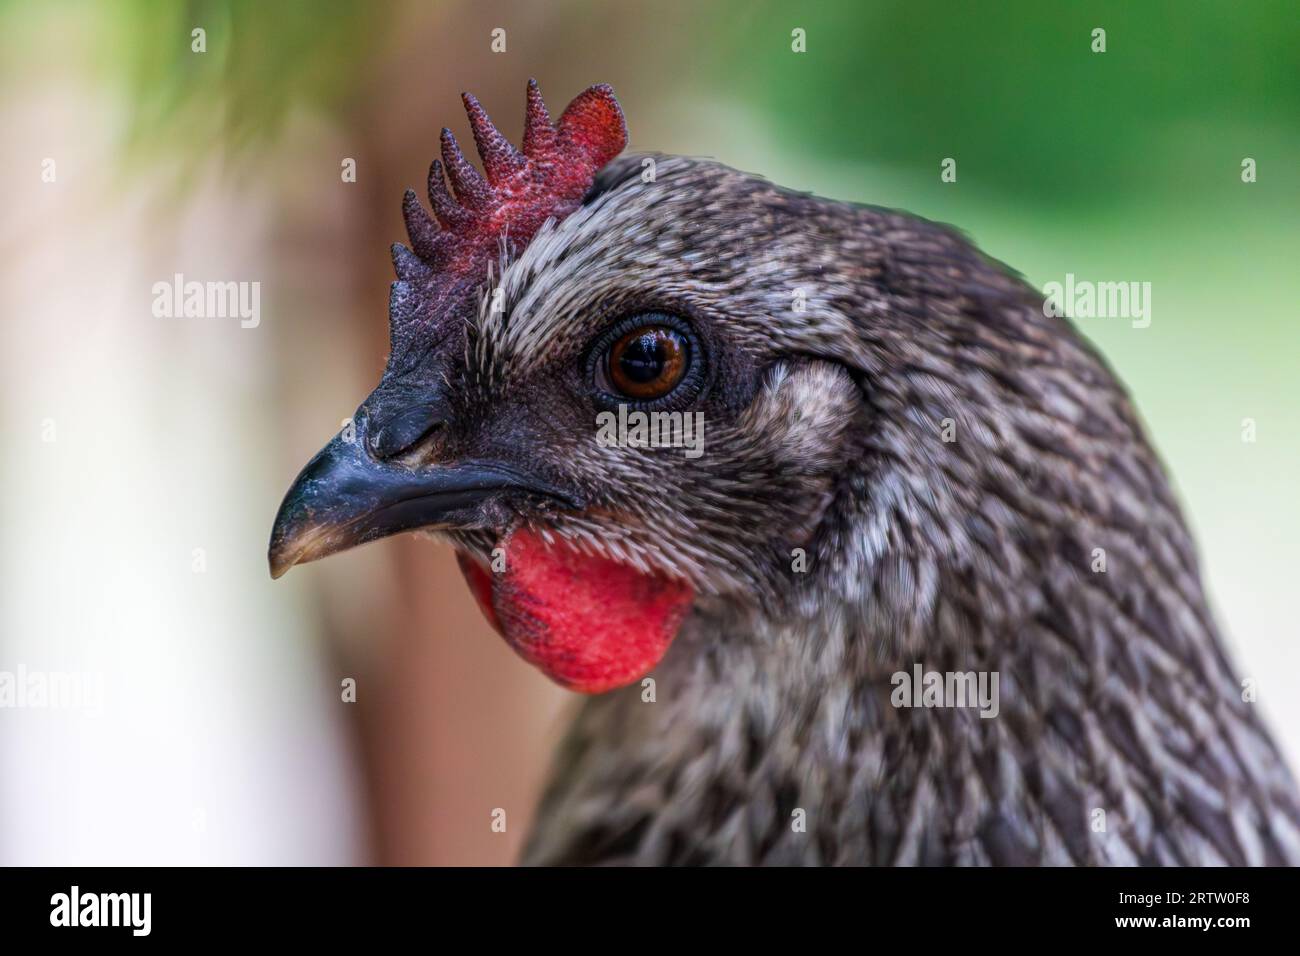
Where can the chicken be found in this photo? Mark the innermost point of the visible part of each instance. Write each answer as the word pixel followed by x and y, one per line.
pixel 904 466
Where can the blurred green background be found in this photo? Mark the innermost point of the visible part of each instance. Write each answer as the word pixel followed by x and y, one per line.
pixel 1115 166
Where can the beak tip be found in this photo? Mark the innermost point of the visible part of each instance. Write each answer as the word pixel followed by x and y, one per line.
pixel 284 551
pixel 277 564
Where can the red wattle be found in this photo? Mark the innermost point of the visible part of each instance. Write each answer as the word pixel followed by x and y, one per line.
pixel 591 624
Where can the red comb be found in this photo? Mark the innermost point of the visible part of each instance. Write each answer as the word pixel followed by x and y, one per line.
pixel 516 192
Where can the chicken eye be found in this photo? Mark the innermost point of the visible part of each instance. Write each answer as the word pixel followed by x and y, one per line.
pixel 648 362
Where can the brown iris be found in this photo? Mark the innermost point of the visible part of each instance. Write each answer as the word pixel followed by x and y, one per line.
pixel 648 362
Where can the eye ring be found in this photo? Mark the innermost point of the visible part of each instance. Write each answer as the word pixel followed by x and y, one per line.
pixel 647 360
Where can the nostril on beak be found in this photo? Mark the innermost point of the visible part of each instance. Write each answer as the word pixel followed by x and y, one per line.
pixel 404 430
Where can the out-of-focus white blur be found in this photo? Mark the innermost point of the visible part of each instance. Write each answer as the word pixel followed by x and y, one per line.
pixel 133 530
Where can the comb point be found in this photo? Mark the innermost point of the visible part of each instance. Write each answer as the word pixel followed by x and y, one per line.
pixel 594 123
pixel 539 134
pixel 445 209
pixel 421 229
pixel 466 182
pixel 407 264
pixel 500 159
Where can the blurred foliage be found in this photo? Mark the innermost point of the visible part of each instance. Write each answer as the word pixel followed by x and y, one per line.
pixel 1015 91
pixel 262 59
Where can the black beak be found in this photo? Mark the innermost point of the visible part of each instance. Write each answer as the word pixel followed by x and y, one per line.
pixel 346 497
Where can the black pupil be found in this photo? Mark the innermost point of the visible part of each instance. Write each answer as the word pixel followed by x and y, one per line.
pixel 642 359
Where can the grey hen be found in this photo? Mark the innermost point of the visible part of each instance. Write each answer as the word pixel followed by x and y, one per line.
pixel 901 466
